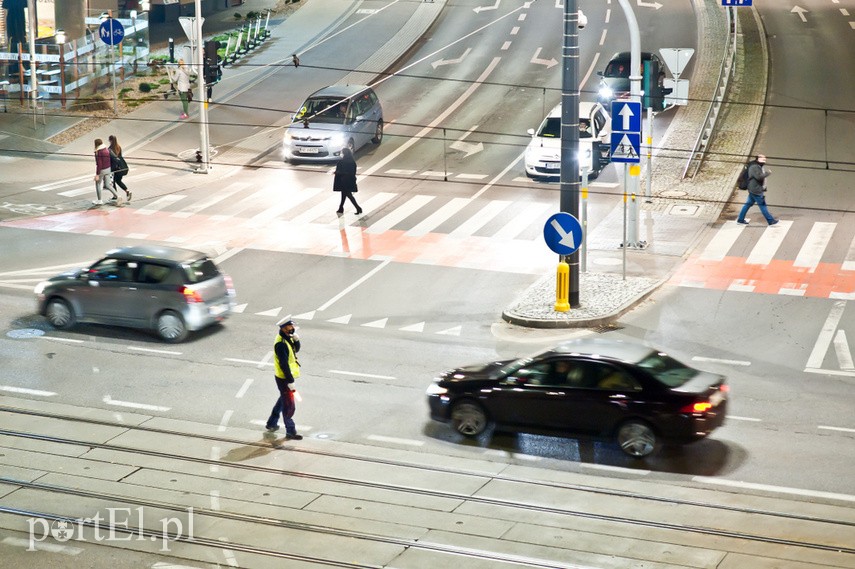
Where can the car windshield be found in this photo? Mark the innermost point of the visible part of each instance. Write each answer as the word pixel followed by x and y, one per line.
pixel 511 368
pixel 618 68
pixel 666 369
pixel 201 270
pixel 551 128
pixel 330 110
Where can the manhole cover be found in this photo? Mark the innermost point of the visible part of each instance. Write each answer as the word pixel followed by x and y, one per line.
pixel 25 333
pixel 672 194
pixel 683 210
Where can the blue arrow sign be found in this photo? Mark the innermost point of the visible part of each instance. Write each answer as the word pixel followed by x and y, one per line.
pixel 736 2
pixel 111 31
pixel 563 233
pixel 626 116
pixel 626 147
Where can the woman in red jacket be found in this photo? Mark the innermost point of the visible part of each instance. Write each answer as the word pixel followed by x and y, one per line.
pixel 103 174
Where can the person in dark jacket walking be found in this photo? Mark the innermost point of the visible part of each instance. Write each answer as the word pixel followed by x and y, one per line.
pixel 345 180
pixel 118 165
pixel 757 174
pixel 103 173
pixel 286 369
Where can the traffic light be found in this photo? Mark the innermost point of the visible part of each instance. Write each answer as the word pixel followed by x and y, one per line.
pixel 651 84
pixel 212 72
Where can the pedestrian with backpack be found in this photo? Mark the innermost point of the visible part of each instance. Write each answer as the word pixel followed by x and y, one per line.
pixel 756 174
pixel 118 165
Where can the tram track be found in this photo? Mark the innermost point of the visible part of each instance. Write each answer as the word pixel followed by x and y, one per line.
pixel 708 509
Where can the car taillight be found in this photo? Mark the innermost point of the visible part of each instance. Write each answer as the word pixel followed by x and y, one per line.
pixel 697 407
pixel 190 295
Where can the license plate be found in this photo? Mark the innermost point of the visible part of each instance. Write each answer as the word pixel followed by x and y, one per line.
pixel 552 165
pixel 309 150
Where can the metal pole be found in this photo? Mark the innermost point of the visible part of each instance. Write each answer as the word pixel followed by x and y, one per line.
pixel 635 51
pixel 113 65
pixel 200 78
pixel 34 82
pixel 570 132
pixel 648 190
pixel 625 176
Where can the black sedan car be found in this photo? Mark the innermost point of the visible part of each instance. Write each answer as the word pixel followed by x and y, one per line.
pixel 596 387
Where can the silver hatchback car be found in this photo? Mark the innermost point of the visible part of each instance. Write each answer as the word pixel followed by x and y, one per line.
pixel 169 290
pixel 331 119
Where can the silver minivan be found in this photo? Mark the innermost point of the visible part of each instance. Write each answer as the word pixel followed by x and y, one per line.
pixel 331 119
pixel 172 291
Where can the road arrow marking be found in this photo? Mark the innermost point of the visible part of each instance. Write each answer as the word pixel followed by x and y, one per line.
pixel 377 323
pixel 419 327
pixel 272 312
pixel 800 11
pixel 480 9
pixel 654 5
pixel 341 319
pixel 455 331
pixel 305 316
pixel 549 63
pixel 566 238
pixel 238 309
pixel 626 114
pixel 469 148
pixel 439 62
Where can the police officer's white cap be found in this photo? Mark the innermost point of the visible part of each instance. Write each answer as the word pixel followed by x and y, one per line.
pixel 285 321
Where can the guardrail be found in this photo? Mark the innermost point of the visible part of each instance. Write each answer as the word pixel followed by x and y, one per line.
pixel 699 150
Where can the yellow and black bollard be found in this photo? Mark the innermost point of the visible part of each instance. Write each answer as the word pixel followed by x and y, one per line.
pixel 562 287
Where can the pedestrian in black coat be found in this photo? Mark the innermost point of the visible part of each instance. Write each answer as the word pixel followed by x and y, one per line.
pixel 345 180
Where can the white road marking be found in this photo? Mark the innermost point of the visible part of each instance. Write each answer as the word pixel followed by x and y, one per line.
pixel 159 204
pixel 620 469
pixel 215 455
pixel 399 214
pixel 213 199
pixel 841 429
pixel 722 241
pixel 60 183
pixel 341 319
pixel 817 240
pixel 438 217
pixel 69 340
pixel 418 327
pixel 265 362
pixel 359 374
pixel 849 263
pixel 272 312
pixel 721 361
pixel 26 391
pixel 358 282
pixel 524 219
pixel 826 335
pixel 841 347
pixel 768 244
pixel 453 331
pixel 42 546
pixel 283 205
pixel 224 422
pixel 377 323
pixel 776 489
pixel 144 406
pixel 750 419
pixel 382 439
pixel 215 499
pixel 153 351
pixel 243 388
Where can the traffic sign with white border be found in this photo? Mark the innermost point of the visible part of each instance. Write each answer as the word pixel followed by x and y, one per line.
pixel 563 233
pixel 111 31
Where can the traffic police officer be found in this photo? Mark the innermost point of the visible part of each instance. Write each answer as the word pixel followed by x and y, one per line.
pixel 287 369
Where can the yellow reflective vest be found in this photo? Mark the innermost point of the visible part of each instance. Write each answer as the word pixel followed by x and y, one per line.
pixel 293 364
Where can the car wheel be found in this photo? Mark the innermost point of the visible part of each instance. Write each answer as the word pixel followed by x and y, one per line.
pixel 59 313
pixel 637 439
pixel 469 419
pixel 378 134
pixel 170 327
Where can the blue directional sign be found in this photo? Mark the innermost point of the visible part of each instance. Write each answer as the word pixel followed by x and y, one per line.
pixel 563 233
pixel 736 2
pixel 111 31
pixel 626 131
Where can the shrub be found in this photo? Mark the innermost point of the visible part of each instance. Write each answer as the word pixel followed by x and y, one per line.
pixel 164 81
pixel 124 92
pixel 145 87
pixel 238 16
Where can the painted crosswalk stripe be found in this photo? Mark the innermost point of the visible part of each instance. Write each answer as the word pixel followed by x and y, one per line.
pixel 159 204
pixel 91 186
pixel 849 263
pixel 817 240
pixel 529 215
pixel 399 214
pixel 256 200
pixel 768 244
pixel 59 183
pixel 479 220
pixel 79 191
pixel 213 199
pixel 283 205
pixel 435 219
pixel 722 241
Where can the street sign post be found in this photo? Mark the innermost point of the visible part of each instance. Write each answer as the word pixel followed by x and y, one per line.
pixel 626 131
pixel 112 32
pixel 563 233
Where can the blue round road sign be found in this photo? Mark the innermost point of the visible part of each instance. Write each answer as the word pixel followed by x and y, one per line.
pixel 563 233
pixel 111 31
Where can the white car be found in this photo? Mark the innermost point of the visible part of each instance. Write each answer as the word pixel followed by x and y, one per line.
pixel 543 154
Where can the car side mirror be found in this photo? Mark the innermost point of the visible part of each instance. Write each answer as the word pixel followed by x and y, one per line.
pixel 530 132
pixel 600 73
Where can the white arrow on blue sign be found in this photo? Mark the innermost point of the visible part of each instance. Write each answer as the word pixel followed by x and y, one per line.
pixel 626 116
pixel 111 31
pixel 563 233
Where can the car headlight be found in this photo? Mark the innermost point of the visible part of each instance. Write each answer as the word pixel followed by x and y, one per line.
pixel 288 138
pixel 40 288
pixel 606 93
pixel 436 389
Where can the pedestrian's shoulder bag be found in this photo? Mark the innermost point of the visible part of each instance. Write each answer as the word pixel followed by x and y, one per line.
pixel 123 165
pixel 189 94
pixel 742 180
pixel 115 162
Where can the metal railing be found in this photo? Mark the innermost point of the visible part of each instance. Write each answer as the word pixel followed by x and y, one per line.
pixel 725 73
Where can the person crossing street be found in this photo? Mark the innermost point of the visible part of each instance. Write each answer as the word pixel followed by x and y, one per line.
pixel 286 368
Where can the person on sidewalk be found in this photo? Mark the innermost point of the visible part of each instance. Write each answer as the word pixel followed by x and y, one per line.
pixel 118 165
pixel 345 180
pixel 286 369
pixel 757 174
pixel 103 173
pixel 182 83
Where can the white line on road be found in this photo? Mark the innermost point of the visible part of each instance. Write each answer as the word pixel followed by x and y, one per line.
pixel 47 270
pixel 737 418
pixel 253 362
pixel 224 422
pixel 841 429
pixel 621 469
pixel 826 335
pixel 776 489
pixel 26 391
pixel 215 499
pixel 243 388
pixel 841 348
pixel 40 546
pixel 382 439
pixel 55 339
pixel 358 282
pixel 357 374
pixel 54 185
pixel 153 351
pixel 215 456
pixel 838 372
pixel 131 405
pixel 721 361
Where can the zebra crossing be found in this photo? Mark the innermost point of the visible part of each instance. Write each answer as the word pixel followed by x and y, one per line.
pixel 796 258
